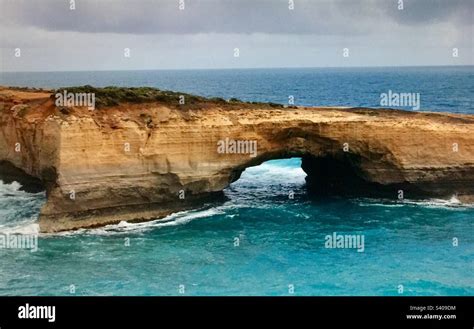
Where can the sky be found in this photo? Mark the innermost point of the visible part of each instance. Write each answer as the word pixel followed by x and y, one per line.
pixel 70 35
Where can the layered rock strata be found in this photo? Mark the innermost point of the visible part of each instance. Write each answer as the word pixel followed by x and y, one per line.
pixel 143 159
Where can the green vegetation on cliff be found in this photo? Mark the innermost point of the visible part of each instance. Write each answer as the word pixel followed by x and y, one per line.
pixel 113 96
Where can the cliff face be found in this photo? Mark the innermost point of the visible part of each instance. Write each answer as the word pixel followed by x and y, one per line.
pixel 29 145
pixel 141 161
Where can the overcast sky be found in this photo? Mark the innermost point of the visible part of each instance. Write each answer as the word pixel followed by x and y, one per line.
pixel 93 36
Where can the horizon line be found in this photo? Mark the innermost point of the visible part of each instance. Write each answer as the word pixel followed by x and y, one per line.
pixel 248 68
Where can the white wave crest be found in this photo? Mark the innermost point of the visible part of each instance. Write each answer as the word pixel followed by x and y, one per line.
pixel 452 203
pixel 270 172
pixel 179 218
pixel 14 190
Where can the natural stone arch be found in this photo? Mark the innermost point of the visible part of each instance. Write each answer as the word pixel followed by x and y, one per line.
pixel 173 149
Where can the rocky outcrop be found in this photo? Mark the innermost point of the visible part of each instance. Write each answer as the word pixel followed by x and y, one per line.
pixel 143 159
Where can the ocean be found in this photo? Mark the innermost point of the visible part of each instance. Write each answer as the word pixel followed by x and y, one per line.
pixel 259 241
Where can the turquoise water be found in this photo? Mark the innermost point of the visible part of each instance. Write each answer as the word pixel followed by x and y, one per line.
pixel 281 240
pixel 281 243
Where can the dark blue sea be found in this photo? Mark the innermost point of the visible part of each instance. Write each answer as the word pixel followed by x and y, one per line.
pixel 259 241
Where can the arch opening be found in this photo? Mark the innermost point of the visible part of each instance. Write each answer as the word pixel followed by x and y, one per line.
pixel 330 174
pixel 21 198
pixel 10 173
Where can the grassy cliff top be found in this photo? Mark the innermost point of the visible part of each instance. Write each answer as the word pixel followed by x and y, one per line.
pixel 113 96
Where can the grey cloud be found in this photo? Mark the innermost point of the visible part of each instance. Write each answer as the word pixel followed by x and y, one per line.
pixel 320 17
pixel 417 12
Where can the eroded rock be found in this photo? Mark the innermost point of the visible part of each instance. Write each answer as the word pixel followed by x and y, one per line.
pixel 136 160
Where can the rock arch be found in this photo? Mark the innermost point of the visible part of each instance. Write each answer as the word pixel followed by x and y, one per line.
pixel 172 151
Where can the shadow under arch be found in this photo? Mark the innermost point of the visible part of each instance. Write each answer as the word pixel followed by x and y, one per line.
pixel 10 173
pixel 337 174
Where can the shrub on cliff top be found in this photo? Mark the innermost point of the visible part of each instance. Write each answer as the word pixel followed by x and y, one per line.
pixel 110 96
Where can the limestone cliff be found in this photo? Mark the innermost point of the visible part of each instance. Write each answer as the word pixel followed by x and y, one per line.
pixel 143 159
